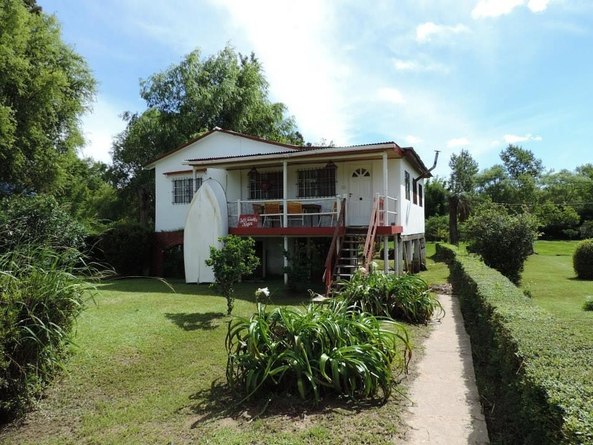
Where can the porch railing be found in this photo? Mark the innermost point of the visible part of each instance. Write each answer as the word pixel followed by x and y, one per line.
pixel 334 248
pixel 316 212
pixel 387 209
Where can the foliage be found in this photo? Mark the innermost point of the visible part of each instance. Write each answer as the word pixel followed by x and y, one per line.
pixel 227 90
pixel 304 263
pixel 323 348
pixel 37 220
pixel 403 297
pixel 588 304
pixel 125 247
pixel 519 162
pixel 462 184
pixel 533 370
pixel 555 220
pixel 262 295
pixel 236 257
pixel 586 229
pixel 435 197
pixel 437 228
pixel 44 89
pixel 504 241
pixel 582 260
pixel 41 295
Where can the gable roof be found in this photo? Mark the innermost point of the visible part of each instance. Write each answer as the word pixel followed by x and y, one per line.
pixel 166 154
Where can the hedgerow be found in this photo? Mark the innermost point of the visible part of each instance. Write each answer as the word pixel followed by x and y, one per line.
pixel 534 372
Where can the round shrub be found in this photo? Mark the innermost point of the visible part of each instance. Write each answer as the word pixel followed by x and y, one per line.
pixel 582 260
pixel 588 304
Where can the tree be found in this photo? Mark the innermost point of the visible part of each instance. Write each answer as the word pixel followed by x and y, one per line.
pixel 227 90
pixel 518 162
pixel 436 196
pixel 44 88
pixel 234 259
pixel 462 185
pixel 503 240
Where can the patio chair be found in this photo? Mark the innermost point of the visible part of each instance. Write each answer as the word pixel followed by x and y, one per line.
pixel 272 213
pixel 295 211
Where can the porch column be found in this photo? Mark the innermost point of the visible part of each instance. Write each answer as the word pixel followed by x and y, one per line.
pixel 285 213
pixel 385 190
pixel 195 176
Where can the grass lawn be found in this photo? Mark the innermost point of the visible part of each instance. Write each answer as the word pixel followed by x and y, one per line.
pixel 150 368
pixel 550 279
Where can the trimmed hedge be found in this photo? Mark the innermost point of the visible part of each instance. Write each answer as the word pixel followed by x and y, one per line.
pixel 535 373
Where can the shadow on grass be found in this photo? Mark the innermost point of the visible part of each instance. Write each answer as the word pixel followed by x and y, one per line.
pixel 196 321
pixel 220 402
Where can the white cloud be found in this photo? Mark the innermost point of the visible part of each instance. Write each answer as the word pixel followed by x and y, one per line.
pixel 496 8
pixel 411 139
pixel 513 138
pixel 457 142
pixel 426 31
pixel 391 95
pixel 418 66
pixel 538 5
pixel 295 42
pixel 99 128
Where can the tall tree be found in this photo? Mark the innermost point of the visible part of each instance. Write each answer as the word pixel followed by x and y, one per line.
pixel 518 162
pixel 462 184
pixel 227 90
pixel 44 88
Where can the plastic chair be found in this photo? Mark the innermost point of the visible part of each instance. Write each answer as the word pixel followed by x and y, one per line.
pixel 295 211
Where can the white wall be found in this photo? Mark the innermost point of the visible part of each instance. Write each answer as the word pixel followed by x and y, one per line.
pixel 411 215
pixel 169 216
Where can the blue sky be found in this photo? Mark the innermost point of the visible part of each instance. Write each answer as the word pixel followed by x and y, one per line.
pixel 447 75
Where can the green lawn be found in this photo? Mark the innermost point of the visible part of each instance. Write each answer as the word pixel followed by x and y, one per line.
pixel 149 368
pixel 550 279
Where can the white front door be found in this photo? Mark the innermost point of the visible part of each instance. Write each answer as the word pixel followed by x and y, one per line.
pixel 360 202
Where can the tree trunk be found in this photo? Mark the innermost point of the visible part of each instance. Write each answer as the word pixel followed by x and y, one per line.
pixel 453 229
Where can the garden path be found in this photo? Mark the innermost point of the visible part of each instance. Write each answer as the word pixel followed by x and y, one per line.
pixel 445 402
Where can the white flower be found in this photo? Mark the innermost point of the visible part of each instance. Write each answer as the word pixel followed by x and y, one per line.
pixel 262 291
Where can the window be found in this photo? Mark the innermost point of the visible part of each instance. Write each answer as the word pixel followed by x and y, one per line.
pixel 420 198
pixel 265 185
pixel 414 192
pixel 183 190
pixel 315 183
pixel 407 184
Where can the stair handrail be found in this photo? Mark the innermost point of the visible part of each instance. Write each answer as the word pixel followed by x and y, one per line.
pixel 369 242
pixel 333 248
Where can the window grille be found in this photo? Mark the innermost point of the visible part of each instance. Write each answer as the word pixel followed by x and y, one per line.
pixel 183 190
pixel 265 185
pixel 407 185
pixel 316 183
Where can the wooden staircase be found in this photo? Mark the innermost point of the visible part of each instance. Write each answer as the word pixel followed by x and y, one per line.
pixel 351 248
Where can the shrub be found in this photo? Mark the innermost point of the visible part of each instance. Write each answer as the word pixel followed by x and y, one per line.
pixel 586 229
pixel 437 228
pixel 37 220
pixel 125 247
pixel 533 371
pixel 503 241
pixel 588 304
pixel 235 258
pixel 323 348
pixel 42 292
pixel 404 297
pixel 582 260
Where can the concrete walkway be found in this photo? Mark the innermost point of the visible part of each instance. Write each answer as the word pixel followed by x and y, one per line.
pixel 445 402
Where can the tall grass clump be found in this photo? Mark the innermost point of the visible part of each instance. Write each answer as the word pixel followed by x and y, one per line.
pixel 316 350
pixel 402 297
pixel 41 293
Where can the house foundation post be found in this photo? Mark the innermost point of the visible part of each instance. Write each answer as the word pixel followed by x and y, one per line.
pixel 386 254
pixel 397 255
pixel 285 260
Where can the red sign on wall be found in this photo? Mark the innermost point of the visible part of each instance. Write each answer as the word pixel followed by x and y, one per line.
pixel 248 220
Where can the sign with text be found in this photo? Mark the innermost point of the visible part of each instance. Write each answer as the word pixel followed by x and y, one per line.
pixel 248 220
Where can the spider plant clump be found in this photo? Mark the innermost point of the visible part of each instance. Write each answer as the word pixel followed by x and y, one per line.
pixel 319 349
pixel 403 297
pixel 41 294
pixel 588 304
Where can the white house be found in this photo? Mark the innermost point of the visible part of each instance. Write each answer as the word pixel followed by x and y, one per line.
pixel 229 183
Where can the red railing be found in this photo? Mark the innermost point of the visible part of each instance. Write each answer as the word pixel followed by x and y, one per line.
pixel 369 243
pixel 334 247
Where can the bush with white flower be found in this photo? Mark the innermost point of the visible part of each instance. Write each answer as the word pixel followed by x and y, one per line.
pixel 262 295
